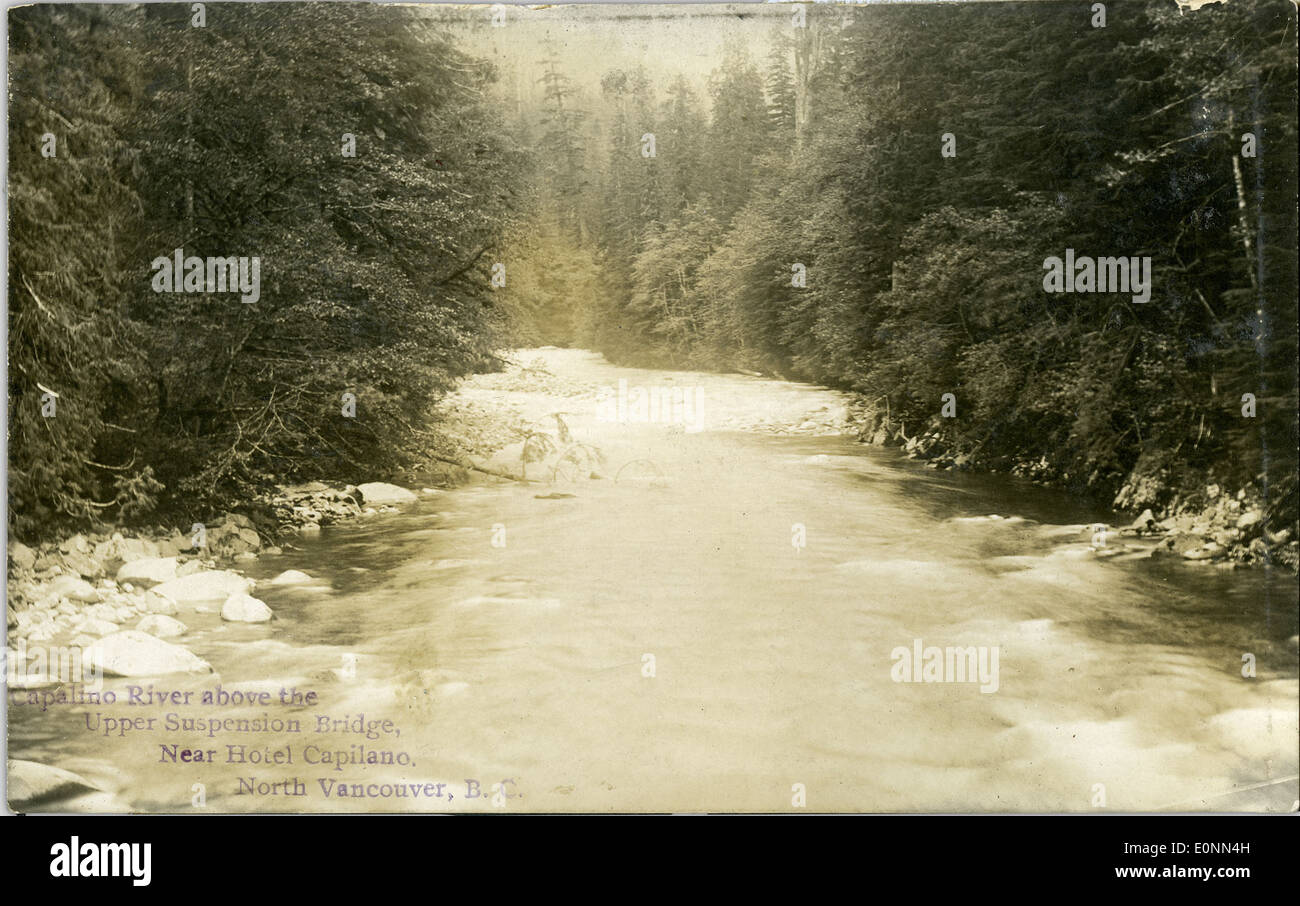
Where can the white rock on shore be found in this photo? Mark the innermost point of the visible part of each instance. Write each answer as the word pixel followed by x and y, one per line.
pixel 291 577
pixel 135 653
pixel 156 603
pixel 242 608
pixel 22 556
pixel 378 493
pixel 30 782
pixel 95 626
pixel 148 572
pixel 161 626
pixel 210 585
pixel 73 589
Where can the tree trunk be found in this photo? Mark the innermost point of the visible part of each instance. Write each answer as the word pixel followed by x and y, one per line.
pixel 1243 214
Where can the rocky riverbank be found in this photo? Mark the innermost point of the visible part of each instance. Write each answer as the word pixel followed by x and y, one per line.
pixel 80 591
pixel 1215 525
pixel 116 596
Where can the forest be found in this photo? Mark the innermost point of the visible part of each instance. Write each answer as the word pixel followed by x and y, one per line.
pixel 866 199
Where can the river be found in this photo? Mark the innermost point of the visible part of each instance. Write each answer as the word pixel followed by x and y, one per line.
pixel 711 623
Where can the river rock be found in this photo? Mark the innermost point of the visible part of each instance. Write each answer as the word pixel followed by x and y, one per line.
pixel 161 626
pixel 73 589
pixel 134 653
pixel 21 555
pixel 291 577
pixel 378 493
pixel 1145 522
pixel 236 535
pixel 152 602
pixel 242 608
pixel 174 545
pixel 210 585
pixel 148 572
pixel 97 627
pixel 77 544
pixel 1248 519
pixel 30 782
pixel 193 567
pixel 83 565
pixel 118 550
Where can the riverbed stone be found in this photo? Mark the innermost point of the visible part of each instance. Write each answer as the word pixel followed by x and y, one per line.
pixel 190 568
pixel 291 577
pixel 77 544
pixel 148 572
pixel 243 608
pixel 379 493
pixel 72 588
pixel 1249 519
pixel 1144 522
pixel 210 585
pixel 97 627
pixel 135 653
pixel 161 626
pixel 21 555
pixel 30 783
pixel 118 550
pixel 152 602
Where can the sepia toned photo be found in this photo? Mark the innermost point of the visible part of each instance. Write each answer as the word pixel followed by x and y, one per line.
pixel 759 408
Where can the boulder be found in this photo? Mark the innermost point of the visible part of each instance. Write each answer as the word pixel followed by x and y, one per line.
pixel 210 585
pixel 152 602
pixel 73 589
pixel 161 626
pixel 148 572
pixel 21 555
pixel 1249 518
pixel 77 544
pixel 242 608
pixel 1145 522
pixel 173 545
pixel 97 627
pixel 240 520
pixel 291 577
pixel 83 565
pixel 378 493
pixel 233 536
pixel 190 567
pixel 118 550
pixel 30 782
pixel 135 653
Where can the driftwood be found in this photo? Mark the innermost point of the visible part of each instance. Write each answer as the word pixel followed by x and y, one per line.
pixel 486 471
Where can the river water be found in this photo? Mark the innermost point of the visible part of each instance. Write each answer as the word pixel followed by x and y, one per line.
pixel 710 623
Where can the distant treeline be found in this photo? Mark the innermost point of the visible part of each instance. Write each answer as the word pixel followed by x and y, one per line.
pixel 866 201
pixel 138 130
pixel 919 164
